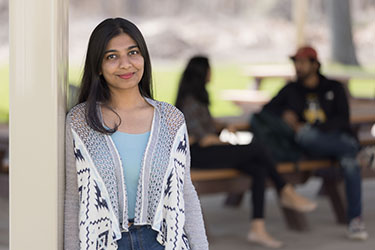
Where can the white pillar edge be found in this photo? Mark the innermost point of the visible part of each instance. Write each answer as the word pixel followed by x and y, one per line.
pixel 300 12
pixel 38 43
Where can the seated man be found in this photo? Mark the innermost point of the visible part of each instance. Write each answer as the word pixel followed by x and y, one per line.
pixel 316 108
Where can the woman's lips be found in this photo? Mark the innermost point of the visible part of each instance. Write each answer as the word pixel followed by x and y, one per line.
pixel 126 76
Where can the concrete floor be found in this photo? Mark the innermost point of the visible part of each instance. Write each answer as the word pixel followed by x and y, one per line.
pixel 4 212
pixel 228 226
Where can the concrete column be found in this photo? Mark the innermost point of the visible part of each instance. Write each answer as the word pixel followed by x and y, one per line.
pixel 38 42
pixel 300 15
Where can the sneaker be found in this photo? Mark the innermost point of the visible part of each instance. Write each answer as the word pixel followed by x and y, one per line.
pixel 357 230
pixel 289 198
pixel 264 240
pixel 366 157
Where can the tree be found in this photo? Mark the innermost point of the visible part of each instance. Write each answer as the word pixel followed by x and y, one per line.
pixel 342 47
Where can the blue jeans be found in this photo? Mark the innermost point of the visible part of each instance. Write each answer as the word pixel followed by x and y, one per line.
pixel 344 148
pixel 139 238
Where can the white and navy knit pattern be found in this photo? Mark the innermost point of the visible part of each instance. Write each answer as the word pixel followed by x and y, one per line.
pixel 98 224
pixel 163 186
pixel 100 153
pixel 173 207
pixel 170 120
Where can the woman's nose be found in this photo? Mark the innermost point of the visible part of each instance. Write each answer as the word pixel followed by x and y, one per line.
pixel 125 62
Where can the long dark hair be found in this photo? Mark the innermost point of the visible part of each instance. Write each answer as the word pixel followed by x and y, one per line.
pixel 193 81
pixel 94 88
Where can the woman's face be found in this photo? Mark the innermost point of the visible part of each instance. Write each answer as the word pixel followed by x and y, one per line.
pixel 123 64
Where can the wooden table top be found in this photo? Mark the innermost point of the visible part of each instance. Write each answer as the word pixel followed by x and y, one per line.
pixel 288 71
pixel 361 111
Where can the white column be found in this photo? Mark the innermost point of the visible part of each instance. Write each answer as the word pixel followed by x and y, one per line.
pixel 38 77
pixel 300 15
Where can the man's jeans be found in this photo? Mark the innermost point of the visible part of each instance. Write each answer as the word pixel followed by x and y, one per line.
pixel 342 147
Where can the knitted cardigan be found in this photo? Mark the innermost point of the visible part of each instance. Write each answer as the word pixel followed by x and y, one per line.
pixel 95 197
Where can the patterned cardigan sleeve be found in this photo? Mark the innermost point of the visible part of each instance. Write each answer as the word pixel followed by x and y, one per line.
pixel 71 204
pixel 194 224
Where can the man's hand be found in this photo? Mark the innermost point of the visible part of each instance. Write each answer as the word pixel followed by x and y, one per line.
pixel 291 118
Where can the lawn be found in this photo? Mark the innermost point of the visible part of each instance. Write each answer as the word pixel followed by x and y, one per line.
pixel 224 76
pixel 4 93
pixel 232 77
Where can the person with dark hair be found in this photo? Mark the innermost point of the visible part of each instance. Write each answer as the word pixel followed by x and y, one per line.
pixel 208 152
pixel 317 109
pixel 128 180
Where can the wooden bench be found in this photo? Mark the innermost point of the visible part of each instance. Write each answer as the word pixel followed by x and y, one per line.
pixel 4 147
pixel 4 168
pixel 235 183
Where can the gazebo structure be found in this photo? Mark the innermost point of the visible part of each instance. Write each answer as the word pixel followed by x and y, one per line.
pixel 38 88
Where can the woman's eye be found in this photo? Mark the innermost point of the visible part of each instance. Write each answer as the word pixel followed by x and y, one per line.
pixel 111 56
pixel 133 52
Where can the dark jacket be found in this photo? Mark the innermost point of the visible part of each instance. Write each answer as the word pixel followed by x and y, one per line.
pixel 331 97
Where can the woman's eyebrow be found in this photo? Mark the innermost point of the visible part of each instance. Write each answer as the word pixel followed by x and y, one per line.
pixel 133 47
pixel 113 50
pixel 110 51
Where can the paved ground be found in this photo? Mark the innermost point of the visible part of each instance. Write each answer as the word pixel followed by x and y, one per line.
pixel 228 226
pixel 4 212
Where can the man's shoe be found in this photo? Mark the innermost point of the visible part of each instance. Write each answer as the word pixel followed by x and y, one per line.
pixel 357 230
pixel 366 157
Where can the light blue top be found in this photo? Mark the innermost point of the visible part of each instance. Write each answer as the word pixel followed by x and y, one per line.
pixel 131 148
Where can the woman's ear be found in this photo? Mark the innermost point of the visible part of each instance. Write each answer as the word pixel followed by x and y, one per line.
pixel 208 76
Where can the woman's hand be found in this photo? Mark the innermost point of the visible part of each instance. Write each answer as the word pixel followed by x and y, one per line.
pixel 192 140
pixel 210 140
pixel 234 127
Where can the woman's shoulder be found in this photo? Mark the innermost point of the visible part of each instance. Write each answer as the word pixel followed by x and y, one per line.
pixel 76 114
pixel 166 108
pixel 169 112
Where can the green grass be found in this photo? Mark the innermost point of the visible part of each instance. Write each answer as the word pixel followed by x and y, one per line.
pixel 4 93
pixel 75 75
pixel 362 88
pixel 357 87
pixel 224 76
pixel 165 83
pixel 232 77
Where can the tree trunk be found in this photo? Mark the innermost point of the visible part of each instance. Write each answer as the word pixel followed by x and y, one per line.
pixel 342 47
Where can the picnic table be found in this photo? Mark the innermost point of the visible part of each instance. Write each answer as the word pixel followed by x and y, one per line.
pixel 250 101
pixel 287 72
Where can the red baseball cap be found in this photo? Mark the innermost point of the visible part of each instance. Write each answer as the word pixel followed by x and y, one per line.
pixel 305 52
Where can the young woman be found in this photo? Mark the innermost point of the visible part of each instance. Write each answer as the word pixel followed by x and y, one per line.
pixel 207 151
pixel 128 181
